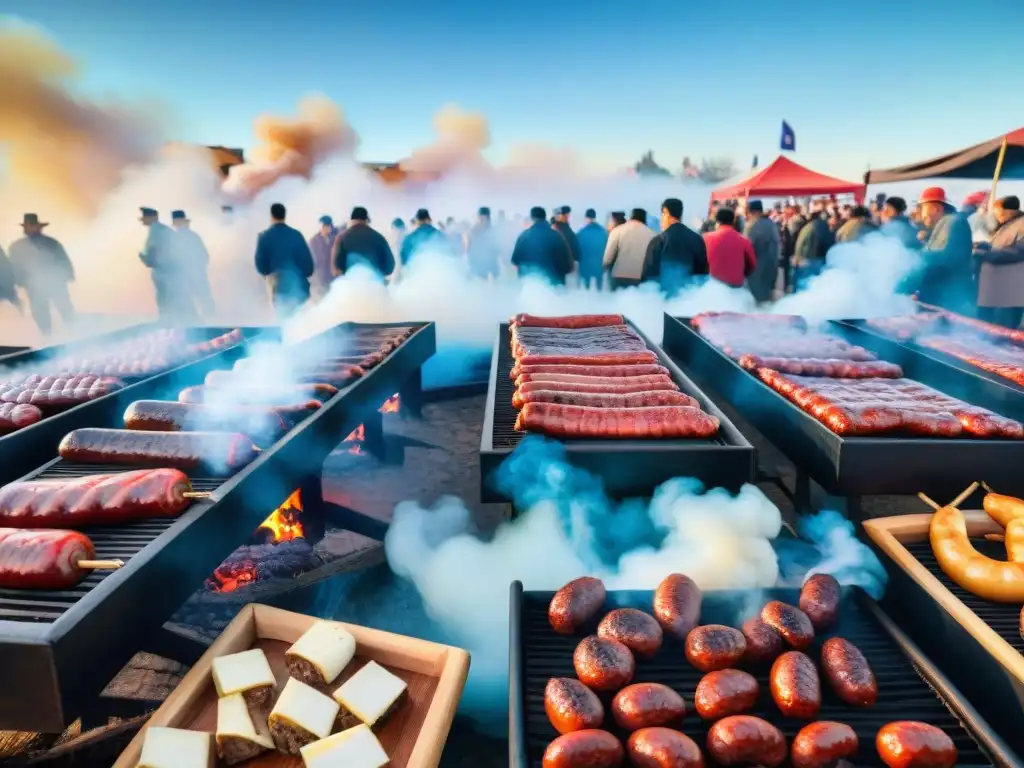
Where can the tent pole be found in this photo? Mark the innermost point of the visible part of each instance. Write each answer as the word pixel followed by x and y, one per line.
pixel 999 169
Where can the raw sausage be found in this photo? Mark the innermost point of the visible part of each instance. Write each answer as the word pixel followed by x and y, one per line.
pixel 597 388
pixel 596 379
pixel 575 604
pixel 603 664
pixel 566 321
pixel 57 393
pixel 94 499
pixel 635 629
pixel 795 686
pixel 909 744
pixel 819 599
pixel 571 706
pixel 714 646
pixel 822 744
pixel 764 644
pixel 169 416
pixel 573 421
pixel 677 602
pixel 42 559
pixel 584 749
pixel 647 705
pixel 590 358
pixel 725 692
pixel 663 748
pixel 848 672
pixel 590 370
pixel 14 416
pixel 221 453
pixel 607 399
pixel 299 394
pixel 791 623
pixel 746 740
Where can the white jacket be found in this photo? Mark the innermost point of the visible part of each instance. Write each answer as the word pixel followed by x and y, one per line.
pixel 626 252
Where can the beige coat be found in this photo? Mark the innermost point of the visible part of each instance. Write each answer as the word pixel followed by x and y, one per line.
pixel 626 252
pixel 1002 285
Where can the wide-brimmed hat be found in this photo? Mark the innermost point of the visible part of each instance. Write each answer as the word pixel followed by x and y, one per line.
pixel 30 219
pixel 934 195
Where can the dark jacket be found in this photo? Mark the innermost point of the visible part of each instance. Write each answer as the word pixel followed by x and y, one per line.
pixel 1001 278
pixel 812 243
pixel 483 250
pixel 903 230
pixel 763 234
pixel 592 239
pixel 283 257
pixel 39 262
pixel 565 231
pixel 362 244
pixel 946 275
pixel 675 256
pixel 790 232
pixel 540 250
pixel 854 229
pixel 8 292
pixel 424 236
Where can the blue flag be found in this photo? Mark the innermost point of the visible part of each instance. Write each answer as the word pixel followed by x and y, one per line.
pixel 754 164
pixel 788 141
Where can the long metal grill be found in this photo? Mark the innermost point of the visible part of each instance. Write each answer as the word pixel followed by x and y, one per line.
pixel 1003 619
pixel 902 693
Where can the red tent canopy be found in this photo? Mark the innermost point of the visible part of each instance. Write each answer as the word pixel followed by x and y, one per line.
pixel 784 178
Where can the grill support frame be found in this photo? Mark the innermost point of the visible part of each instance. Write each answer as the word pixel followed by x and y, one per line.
pixel 630 467
pixel 62 666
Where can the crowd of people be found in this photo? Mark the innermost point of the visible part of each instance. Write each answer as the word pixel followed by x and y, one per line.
pixel 972 259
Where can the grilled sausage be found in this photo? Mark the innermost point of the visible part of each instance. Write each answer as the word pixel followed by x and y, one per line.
pixel 571 706
pixel 635 629
pixel 575 604
pixel 663 748
pixel 261 423
pixel 725 692
pixel 795 686
pixel 908 744
pixel 677 602
pixel 764 644
pixel 746 740
pixel 221 453
pixel 603 664
pixel 790 622
pixel 821 744
pixel 584 749
pixel 299 394
pixel 848 672
pixel 819 599
pixel 584 422
pixel 714 646
pixel 647 705
pixel 15 416
pixel 43 559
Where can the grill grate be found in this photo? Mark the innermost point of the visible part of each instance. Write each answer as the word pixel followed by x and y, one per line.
pixel 903 693
pixel 504 434
pixel 1004 620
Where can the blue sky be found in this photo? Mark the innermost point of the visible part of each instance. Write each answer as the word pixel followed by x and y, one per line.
pixel 861 83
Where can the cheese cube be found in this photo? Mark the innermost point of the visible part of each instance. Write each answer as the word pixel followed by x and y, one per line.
pixel 371 693
pixel 176 748
pixel 301 715
pixel 239 737
pixel 355 748
pixel 245 672
pixel 323 651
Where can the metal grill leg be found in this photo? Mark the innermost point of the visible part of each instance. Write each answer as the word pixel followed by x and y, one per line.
pixel 373 438
pixel 311 492
pixel 410 396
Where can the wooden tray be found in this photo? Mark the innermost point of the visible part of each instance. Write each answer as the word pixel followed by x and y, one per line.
pixel 413 737
pixel 891 533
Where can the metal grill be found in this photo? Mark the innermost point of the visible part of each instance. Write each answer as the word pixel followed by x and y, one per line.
pixel 904 694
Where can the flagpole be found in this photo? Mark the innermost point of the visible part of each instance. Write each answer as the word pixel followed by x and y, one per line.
pixel 999 169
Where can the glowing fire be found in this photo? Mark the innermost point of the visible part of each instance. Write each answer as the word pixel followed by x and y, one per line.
pixel 392 404
pixel 282 521
pixel 358 435
pixel 228 579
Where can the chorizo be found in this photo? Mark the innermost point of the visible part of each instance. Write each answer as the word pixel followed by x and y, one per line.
pixel 790 622
pixel 663 748
pixel 677 601
pixel 635 629
pixel 819 599
pixel 746 740
pixel 603 664
pixel 795 686
pixel 764 644
pixel 584 749
pixel 725 692
pixel 647 705
pixel 848 673
pixel 909 744
pixel 571 706
pixel 575 604
pixel 714 646
pixel 822 744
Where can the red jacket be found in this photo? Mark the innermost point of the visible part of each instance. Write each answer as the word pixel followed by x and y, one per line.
pixel 730 256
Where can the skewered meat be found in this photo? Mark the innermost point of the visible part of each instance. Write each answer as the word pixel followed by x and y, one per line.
pixel 677 601
pixel 94 499
pixel 169 416
pixel 14 416
pixel 221 453
pixel 575 604
pixel 567 321
pixel 590 370
pixel 300 394
pixel 607 399
pixel 42 559
pixel 573 421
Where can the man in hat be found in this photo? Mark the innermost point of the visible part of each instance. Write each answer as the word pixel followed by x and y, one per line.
pixel 321 245
pixel 362 244
pixel 160 257
pixel 425 237
pixel 283 257
pixel 1001 277
pixel 896 224
pixel 41 266
pixel 763 234
pixel 563 228
pixel 946 275
pixel 191 254
pixel 593 239
pixel 483 249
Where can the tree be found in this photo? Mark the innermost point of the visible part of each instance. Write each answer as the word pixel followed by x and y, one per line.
pixel 716 169
pixel 648 167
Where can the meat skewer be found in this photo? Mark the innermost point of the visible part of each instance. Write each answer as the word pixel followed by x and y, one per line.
pixel 47 559
pixel 300 394
pixel 171 416
pixel 574 421
pixel 221 453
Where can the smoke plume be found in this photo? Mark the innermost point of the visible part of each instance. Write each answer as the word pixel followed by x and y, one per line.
pixel 570 528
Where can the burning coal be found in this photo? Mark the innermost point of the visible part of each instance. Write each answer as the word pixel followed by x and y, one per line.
pixel 570 528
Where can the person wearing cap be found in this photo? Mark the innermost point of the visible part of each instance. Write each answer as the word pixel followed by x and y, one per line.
pixel 626 253
pixel 731 257
pixel 321 245
pixel 562 227
pixel 592 239
pixel 284 259
pixel 541 251
pixel 425 237
pixel 857 224
pixel 763 234
pixel 793 221
pixel 191 253
pixel 362 244
pixel 946 275
pixel 895 223
pixel 811 248
pixel 159 256
pixel 41 267
pixel 1001 277
pixel 483 247
pixel 677 254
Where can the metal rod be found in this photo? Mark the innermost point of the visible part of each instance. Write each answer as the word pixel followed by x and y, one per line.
pixel 100 565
